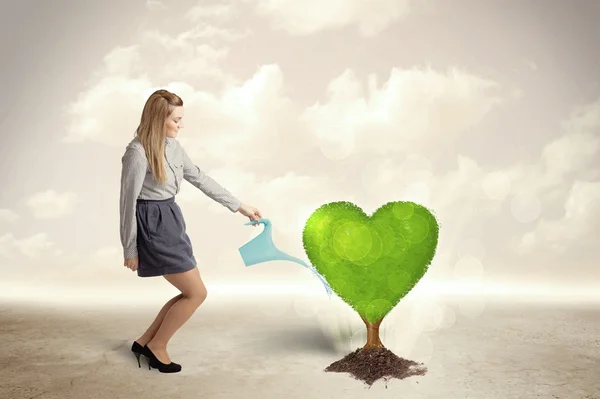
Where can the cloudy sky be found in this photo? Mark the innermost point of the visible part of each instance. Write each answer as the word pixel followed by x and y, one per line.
pixel 486 112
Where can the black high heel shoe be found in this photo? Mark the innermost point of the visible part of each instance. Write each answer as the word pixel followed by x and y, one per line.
pixel 137 350
pixel 153 362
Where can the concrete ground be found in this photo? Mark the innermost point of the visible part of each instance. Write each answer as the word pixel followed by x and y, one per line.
pixel 276 347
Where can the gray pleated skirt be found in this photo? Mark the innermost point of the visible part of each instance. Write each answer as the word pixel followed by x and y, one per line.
pixel 163 244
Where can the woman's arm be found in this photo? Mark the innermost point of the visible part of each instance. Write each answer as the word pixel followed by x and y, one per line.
pixel 132 179
pixel 207 185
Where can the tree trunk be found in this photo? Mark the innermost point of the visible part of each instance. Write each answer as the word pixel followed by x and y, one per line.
pixel 373 340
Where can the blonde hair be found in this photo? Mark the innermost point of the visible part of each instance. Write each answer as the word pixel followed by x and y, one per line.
pixel 152 129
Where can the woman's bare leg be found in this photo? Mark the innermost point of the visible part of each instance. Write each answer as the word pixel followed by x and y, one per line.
pixel 193 294
pixel 149 334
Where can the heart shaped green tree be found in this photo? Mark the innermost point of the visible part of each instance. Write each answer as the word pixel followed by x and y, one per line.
pixel 371 262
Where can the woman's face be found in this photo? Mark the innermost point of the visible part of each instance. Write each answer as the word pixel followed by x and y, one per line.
pixel 174 122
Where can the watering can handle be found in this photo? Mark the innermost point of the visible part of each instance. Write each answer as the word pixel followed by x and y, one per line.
pixel 264 221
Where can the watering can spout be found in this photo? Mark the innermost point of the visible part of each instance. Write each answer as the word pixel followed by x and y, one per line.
pixel 262 249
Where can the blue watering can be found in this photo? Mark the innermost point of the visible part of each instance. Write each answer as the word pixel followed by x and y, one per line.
pixel 261 249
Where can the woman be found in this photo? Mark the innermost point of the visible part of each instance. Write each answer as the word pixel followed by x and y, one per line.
pixel 153 231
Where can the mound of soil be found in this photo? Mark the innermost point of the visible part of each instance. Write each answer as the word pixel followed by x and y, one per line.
pixel 372 364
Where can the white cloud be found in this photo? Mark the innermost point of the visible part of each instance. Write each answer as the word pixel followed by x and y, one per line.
pixel 312 16
pixel 584 118
pixel 35 247
pixel 246 122
pixel 576 152
pixel 109 111
pixel 564 160
pixel 413 109
pixel 496 185
pixel 123 61
pixel 183 57
pixel 8 216
pixel 205 31
pixel 206 18
pixel 579 225
pixel 201 11
pixel 243 124
pixel 50 204
pixel 570 174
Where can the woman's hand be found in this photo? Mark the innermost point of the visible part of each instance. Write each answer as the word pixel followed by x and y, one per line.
pixel 131 263
pixel 251 212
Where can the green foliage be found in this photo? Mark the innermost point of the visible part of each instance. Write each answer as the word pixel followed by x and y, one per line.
pixel 371 262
